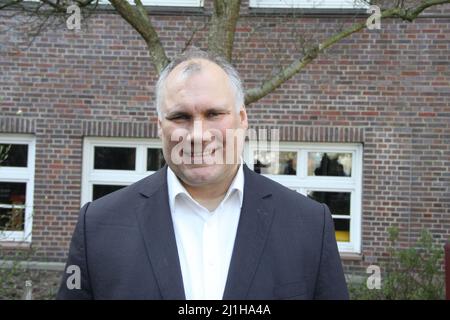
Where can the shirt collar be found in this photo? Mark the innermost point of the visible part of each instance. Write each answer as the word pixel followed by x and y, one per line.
pixel 175 187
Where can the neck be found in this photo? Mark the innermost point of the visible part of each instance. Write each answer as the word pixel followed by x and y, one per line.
pixel 212 194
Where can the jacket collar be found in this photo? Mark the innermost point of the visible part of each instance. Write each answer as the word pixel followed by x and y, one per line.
pixel 175 188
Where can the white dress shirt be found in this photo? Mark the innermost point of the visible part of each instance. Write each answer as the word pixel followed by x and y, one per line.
pixel 205 239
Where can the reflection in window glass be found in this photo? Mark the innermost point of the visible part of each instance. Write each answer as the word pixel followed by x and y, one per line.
pixel 342 229
pixel 12 219
pixel 283 162
pixel 100 190
pixel 338 202
pixel 12 193
pixel 155 159
pixel 114 158
pixel 13 155
pixel 329 164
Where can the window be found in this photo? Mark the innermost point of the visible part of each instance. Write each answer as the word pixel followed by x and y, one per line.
pixel 168 3
pixel 317 4
pixel 110 164
pixel 327 173
pixel 173 3
pixel 16 187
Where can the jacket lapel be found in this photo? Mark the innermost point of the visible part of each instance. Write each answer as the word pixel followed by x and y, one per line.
pixel 156 227
pixel 253 229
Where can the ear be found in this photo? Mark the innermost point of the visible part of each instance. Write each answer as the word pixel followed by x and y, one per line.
pixel 159 128
pixel 243 117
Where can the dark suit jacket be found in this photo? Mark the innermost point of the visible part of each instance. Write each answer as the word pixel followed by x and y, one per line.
pixel 285 247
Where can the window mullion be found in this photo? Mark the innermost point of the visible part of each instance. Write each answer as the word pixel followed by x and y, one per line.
pixel 141 159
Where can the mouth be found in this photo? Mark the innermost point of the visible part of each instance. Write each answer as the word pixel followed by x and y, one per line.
pixel 200 157
pixel 205 153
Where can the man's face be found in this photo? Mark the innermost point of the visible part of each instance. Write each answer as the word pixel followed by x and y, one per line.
pixel 203 99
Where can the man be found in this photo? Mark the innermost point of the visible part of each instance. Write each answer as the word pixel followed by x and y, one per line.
pixel 203 227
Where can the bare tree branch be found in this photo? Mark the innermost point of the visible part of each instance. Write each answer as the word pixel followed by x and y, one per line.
pixel 222 27
pixel 295 67
pixel 189 41
pixel 10 4
pixel 136 16
pixel 139 20
pixel 39 16
pixel 55 5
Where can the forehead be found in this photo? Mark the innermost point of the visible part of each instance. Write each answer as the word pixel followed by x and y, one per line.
pixel 196 81
pixel 194 67
pixel 201 62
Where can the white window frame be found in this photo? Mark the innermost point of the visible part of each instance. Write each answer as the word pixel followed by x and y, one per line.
pixel 173 3
pixel 166 3
pixel 308 4
pixel 22 175
pixel 303 183
pixel 91 176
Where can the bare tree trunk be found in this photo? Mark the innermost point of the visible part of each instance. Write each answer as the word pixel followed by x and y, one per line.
pixel 138 18
pixel 222 27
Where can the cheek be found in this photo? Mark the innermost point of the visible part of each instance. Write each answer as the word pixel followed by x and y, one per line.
pixel 231 125
pixel 167 134
pixel 227 124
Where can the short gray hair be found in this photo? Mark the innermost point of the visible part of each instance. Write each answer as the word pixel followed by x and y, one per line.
pixel 192 54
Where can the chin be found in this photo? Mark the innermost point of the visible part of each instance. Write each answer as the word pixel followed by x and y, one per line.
pixel 199 175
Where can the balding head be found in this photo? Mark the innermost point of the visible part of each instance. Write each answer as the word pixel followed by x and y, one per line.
pixel 192 62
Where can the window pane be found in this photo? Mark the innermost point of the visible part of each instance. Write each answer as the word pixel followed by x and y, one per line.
pixel 155 159
pixel 12 193
pixel 329 164
pixel 100 190
pixel 115 158
pixel 13 155
pixel 12 219
pixel 283 162
pixel 317 4
pixel 342 229
pixel 338 202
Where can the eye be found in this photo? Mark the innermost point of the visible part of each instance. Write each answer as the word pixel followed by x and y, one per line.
pixel 213 114
pixel 179 117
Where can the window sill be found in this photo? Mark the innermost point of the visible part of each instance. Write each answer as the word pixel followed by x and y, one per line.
pixel 348 256
pixel 16 245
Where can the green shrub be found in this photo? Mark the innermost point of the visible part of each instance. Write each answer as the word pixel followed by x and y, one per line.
pixel 14 276
pixel 409 273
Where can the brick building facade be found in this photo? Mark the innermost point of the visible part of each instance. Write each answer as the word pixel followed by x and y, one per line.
pixel 380 98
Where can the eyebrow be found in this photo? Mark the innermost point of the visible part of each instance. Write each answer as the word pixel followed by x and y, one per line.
pixel 175 113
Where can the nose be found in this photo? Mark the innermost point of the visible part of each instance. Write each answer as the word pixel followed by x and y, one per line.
pixel 196 136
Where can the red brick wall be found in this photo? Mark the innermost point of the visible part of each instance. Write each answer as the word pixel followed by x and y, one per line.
pixel 388 89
